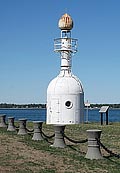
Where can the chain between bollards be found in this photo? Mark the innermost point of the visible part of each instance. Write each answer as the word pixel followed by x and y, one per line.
pixel 47 135
pixel 74 141
pixel 106 149
pixel 30 131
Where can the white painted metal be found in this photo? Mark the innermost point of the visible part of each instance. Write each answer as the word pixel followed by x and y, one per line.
pixel 65 95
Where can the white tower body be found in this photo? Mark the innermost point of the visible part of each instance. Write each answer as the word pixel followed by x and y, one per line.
pixel 65 95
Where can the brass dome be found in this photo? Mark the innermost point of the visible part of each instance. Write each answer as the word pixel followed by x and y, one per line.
pixel 65 22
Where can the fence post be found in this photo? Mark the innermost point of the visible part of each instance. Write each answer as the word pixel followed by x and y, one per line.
pixel 59 138
pixel 22 127
pixel 11 126
pixel 2 120
pixel 37 130
pixel 93 151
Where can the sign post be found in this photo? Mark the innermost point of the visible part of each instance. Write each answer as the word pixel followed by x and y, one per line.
pixel 104 109
pixel 87 104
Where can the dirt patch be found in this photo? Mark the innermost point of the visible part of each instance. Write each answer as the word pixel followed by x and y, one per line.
pixel 20 154
pixel 15 155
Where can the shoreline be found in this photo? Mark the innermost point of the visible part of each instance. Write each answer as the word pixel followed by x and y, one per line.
pixel 23 108
pixel 46 108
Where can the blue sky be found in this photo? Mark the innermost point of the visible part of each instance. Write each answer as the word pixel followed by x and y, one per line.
pixel 27 58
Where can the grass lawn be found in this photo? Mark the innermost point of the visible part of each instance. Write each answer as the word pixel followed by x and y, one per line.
pixel 20 154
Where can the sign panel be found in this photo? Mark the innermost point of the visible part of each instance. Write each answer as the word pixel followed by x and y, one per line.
pixel 87 104
pixel 103 109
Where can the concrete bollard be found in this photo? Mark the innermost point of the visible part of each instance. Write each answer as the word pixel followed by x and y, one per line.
pixel 2 120
pixel 37 130
pixel 93 151
pixel 11 126
pixel 22 127
pixel 59 138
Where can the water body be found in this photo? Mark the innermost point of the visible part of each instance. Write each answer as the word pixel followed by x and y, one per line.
pixel 29 114
pixel 94 115
pixel 40 114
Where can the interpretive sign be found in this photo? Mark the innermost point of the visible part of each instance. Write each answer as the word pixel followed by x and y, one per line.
pixel 103 109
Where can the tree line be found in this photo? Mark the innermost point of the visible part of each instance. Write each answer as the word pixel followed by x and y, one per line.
pixel 6 105
pixel 100 105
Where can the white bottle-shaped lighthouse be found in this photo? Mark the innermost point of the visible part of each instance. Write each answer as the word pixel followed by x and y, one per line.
pixel 65 95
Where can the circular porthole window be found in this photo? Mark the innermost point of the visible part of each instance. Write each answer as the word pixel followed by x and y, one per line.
pixel 68 104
